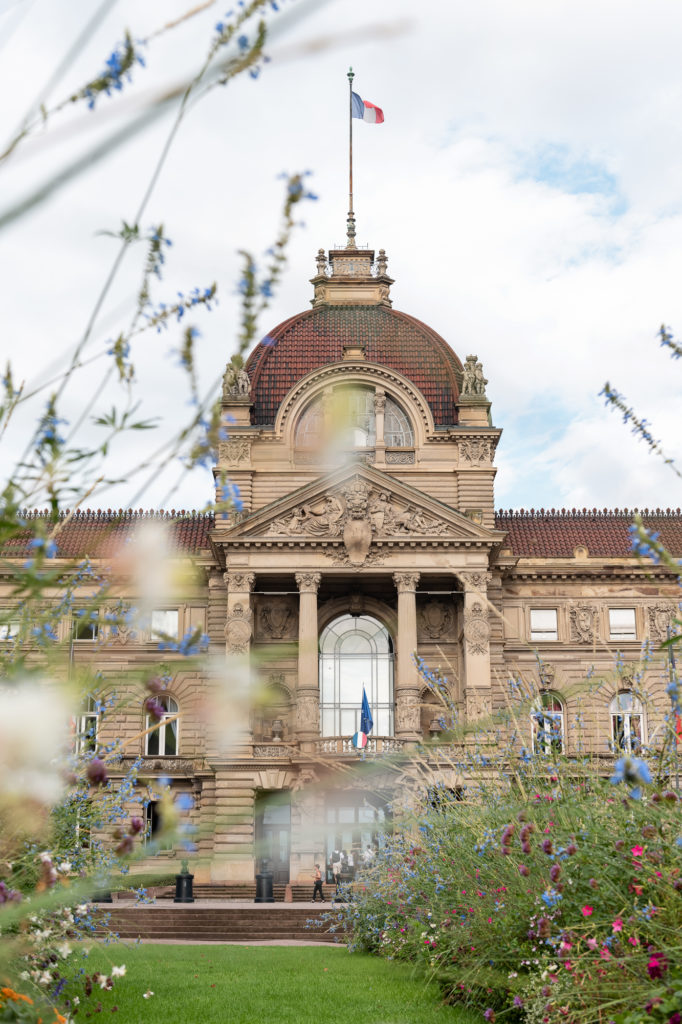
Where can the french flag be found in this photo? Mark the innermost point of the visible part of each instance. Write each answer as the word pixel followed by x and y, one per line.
pixel 367 111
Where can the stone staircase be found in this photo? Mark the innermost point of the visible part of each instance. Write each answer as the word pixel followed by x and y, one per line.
pixel 246 891
pixel 213 921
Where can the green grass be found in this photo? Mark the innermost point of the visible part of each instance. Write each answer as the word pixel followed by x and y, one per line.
pixel 265 985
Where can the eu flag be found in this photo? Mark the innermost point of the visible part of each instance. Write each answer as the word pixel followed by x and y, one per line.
pixel 366 720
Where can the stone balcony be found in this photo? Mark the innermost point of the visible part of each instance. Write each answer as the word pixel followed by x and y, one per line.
pixel 340 745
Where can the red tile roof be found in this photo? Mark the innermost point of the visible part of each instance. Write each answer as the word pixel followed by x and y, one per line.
pixel 553 533
pixel 99 533
pixel 316 337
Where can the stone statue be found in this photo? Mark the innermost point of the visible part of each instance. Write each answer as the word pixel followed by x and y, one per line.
pixel 473 381
pixel 236 383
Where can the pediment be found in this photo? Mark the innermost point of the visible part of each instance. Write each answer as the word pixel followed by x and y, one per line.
pixel 335 507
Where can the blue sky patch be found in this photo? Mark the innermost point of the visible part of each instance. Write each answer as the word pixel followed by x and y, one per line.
pixel 554 165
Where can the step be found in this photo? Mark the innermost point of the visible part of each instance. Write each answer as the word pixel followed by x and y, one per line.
pixel 217 924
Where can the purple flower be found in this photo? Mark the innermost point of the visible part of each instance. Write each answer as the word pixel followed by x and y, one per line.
pixel 97 772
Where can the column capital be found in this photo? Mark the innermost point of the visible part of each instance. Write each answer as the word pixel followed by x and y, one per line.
pixel 239 582
pixel 308 582
pixel 475 581
pixel 406 582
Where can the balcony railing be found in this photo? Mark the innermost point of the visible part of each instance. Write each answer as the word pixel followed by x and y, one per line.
pixel 343 745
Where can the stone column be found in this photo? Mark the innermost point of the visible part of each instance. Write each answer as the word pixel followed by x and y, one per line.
pixel 217 610
pixel 407 682
pixel 308 689
pixel 476 645
pixel 380 443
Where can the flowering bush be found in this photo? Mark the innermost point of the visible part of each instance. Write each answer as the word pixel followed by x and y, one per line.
pixel 556 898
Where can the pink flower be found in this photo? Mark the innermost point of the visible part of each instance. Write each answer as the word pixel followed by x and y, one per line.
pixel 587 911
pixel 617 925
pixel 592 943
pixel 633 941
pixel 637 851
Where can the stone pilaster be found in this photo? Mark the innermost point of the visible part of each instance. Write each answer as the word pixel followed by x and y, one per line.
pixel 379 412
pixel 217 609
pixel 407 681
pixel 476 645
pixel 239 622
pixel 308 689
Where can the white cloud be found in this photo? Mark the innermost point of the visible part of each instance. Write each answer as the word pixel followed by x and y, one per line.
pixel 498 117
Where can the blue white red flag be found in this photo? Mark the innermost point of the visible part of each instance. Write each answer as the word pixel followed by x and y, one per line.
pixel 366 720
pixel 367 111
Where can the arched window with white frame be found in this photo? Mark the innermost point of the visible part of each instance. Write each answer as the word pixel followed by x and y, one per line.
pixel 548 725
pixel 349 415
pixel 355 651
pixel 163 740
pixel 627 722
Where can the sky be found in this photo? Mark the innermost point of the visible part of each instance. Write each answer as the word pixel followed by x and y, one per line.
pixel 525 186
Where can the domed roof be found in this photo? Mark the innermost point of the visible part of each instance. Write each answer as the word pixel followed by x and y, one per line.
pixel 317 337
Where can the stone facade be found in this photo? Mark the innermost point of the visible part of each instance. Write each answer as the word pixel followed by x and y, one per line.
pixel 387 518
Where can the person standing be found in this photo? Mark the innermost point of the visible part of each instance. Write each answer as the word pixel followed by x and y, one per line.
pixel 317 887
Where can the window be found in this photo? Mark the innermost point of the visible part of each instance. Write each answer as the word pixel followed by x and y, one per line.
pixel 355 651
pixel 622 625
pixel 547 725
pixel 9 627
pixel 627 722
pixel 85 624
pixel 86 726
pixel 543 624
pixel 351 417
pixel 165 622
pixel 163 741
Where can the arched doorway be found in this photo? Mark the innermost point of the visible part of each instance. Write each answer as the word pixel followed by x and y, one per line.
pixel 355 651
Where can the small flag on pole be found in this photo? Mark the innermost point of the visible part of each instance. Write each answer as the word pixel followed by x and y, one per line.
pixel 367 111
pixel 366 720
pixel 359 740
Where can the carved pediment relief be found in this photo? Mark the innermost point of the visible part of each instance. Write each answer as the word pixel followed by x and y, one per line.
pixel 359 506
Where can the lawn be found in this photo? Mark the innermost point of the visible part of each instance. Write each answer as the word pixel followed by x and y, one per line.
pixel 265 985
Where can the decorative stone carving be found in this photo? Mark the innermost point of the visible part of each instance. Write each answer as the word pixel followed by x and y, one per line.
pixel 339 556
pixel 276 618
pixel 234 451
pixel 120 632
pixel 660 619
pixel 473 381
pixel 435 619
pixel 308 582
pixel 400 458
pixel 307 712
pixel 406 581
pixel 627 674
pixel 547 675
pixel 167 765
pixel 478 704
pixel 357 532
pixel 407 713
pixel 584 626
pixel 379 401
pixel 328 515
pixel 236 383
pixel 321 263
pixel 270 750
pixel 476 580
pixel 239 582
pixel 476 629
pixel 238 630
pixel 475 449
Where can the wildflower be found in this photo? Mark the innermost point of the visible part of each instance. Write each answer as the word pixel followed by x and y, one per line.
pixel 587 911
pixel 523 870
pixel 118 972
pixel 489 1015
pixel 555 872
pixel 617 925
pixel 148 994
pixel 633 771
pixel 547 846
pixel 637 851
pixel 656 966
pixel 97 772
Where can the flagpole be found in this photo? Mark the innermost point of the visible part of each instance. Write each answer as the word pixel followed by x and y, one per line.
pixel 350 223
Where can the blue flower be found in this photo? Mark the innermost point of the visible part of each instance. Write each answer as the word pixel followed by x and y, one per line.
pixel 633 771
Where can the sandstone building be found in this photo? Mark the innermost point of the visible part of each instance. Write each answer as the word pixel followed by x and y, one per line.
pixel 364 451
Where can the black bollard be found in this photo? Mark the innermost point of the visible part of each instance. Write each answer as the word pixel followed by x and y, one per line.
pixel 264 888
pixel 184 892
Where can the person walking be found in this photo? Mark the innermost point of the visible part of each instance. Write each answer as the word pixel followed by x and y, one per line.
pixel 317 887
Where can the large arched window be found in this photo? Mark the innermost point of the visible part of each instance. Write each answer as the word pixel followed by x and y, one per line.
pixel 627 722
pixel 164 739
pixel 355 651
pixel 350 418
pixel 547 724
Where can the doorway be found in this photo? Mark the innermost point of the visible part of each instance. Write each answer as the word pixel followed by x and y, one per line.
pixel 273 833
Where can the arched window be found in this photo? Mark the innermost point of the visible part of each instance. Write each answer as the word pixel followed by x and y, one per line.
pixel 86 726
pixel 163 740
pixel 627 722
pixel 548 725
pixel 355 651
pixel 351 420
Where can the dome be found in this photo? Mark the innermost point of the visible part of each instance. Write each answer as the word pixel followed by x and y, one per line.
pixel 317 337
